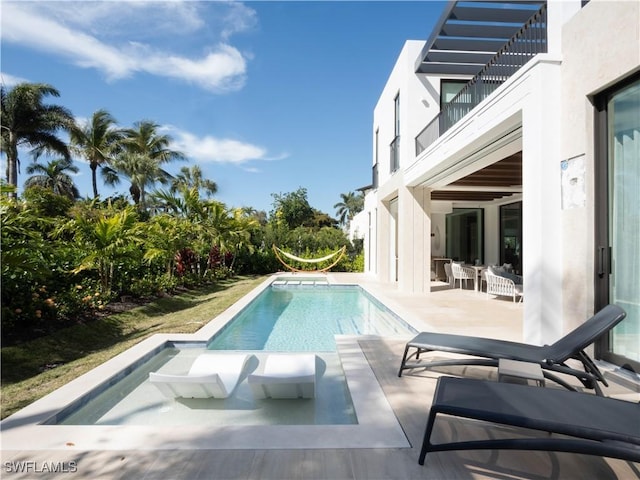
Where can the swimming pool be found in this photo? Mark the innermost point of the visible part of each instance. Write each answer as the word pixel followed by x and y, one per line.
pixel 284 317
pixel 121 416
pixel 306 317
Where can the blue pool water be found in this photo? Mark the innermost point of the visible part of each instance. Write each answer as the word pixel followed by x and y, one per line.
pixel 306 318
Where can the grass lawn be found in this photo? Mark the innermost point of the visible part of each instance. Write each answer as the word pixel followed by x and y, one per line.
pixel 33 369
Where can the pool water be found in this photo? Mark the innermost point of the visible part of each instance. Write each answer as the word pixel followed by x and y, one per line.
pixel 306 318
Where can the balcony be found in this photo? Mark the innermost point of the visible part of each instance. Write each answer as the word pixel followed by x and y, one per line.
pixel 529 41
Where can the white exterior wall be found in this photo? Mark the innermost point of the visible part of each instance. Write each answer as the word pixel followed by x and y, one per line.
pixel 439 211
pixel 542 246
pixel 419 102
pixel 367 219
pixel 358 226
pixel 601 46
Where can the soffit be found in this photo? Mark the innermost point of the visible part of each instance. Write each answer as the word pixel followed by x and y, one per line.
pixel 469 33
pixel 498 180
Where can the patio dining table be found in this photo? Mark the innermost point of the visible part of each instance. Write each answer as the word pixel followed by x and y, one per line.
pixel 477 282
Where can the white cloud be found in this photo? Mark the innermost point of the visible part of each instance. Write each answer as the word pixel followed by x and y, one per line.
pixel 238 18
pixel 219 150
pixel 222 69
pixel 9 80
pixel 209 149
pixel 114 18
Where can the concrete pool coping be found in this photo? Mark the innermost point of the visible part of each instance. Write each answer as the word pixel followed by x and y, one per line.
pixel 377 425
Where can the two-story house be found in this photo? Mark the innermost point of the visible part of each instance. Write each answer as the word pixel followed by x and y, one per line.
pixel 512 135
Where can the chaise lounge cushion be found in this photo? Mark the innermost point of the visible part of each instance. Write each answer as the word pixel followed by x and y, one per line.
pixel 285 376
pixel 211 375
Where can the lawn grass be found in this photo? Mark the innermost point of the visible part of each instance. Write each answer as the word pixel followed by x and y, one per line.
pixel 33 369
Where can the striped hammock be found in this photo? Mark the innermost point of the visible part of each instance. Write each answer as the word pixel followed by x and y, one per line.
pixel 281 253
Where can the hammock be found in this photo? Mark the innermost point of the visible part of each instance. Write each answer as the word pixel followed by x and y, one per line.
pixel 290 256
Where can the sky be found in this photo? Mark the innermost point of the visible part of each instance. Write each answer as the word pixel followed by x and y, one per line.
pixel 266 97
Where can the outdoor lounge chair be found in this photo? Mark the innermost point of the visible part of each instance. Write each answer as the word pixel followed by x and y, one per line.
pixel 211 375
pixel 552 358
pixel 502 286
pixel 285 376
pixel 460 272
pixel 596 425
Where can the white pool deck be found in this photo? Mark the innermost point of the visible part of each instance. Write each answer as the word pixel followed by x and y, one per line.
pixel 385 443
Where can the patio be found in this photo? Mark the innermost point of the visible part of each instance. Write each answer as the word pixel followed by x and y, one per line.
pixel 445 310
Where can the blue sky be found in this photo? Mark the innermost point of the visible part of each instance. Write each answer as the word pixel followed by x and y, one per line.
pixel 265 96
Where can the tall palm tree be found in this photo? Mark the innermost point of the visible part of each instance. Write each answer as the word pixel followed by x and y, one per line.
pixel 96 141
pixel 144 151
pixel 54 176
pixel 142 173
pixel 351 204
pixel 192 178
pixel 26 120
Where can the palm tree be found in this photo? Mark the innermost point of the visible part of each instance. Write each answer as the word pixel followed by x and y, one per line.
pixel 25 120
pixel 166 236
pixel 351 204
pixel 54 176
pixel 144 152
pixel 110 239
pixel 142 173
pixel 96 142
pixel 192 178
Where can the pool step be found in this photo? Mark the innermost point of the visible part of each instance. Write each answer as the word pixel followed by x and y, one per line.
pixel 302 283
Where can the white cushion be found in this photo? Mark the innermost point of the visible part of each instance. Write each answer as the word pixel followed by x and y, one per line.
pixel 285 376
pixel 211 375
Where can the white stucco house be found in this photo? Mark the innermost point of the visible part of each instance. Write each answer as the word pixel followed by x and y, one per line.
pixel 512 135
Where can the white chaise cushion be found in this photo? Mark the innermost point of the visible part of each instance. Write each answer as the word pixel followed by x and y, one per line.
pixel 285 376
pixel 211 375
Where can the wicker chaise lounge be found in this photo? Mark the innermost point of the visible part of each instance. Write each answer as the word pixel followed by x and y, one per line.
pixel 595 425
pixel 552 358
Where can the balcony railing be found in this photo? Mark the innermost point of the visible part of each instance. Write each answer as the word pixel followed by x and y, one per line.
pixel 395 154
pixel 530 40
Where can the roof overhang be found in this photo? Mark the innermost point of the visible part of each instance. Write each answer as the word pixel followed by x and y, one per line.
pixel 493 182
pixel 469 33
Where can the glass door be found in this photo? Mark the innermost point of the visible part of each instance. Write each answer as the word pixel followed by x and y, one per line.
pixel 618 220
pixel 465 235
pixel 393 239
pixel 511 236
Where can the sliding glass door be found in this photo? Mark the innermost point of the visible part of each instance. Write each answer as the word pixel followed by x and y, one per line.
pixel 618 219
pixel 511 236
pixel 465 235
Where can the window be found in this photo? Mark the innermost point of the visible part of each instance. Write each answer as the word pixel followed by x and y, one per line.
pixel 617 256
pixel 449 89
pixel 374 173
pixel 395 144
pixel 451 111
pixel 396 113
